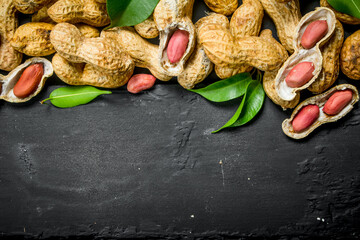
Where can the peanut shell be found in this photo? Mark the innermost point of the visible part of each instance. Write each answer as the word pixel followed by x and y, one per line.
pixel 246 21
pixel 8 82
pixel 331 61
pixel 170 16
pixel 9 57
pixel 75 11
pixel 147 29
pixel 342 17
pixel 33 39
pixel 312 55
pixel 350 56
pixel 29 6
pixel 226 7
pixel 41 15
pixel 320 101
pixel 286 17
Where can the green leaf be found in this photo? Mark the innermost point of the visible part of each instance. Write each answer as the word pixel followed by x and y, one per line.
pixel 129 12
pixel 225 90
pixel 67 97
pixel 250 105
pixel 350 7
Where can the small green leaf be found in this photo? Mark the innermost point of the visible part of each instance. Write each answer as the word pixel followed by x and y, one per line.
pixel 250 105
pixel 350 7
pixel 129 12
pixel 67 97
pixel 225 90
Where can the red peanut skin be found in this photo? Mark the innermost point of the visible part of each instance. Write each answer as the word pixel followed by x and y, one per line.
pixel 177 45
pixel 140 82
pixel 29 80
pixel 337 102
pixel 313 33
pixel 300 74
pixel 305 117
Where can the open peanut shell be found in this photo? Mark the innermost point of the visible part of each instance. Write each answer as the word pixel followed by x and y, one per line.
pixel 323 118
pixel 301 54
pixel 8 82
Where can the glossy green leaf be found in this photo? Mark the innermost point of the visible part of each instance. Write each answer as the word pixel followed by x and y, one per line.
pixel 226 89
pixel 67 97
pixel 350 7
pixel 250 105
pixel 129 12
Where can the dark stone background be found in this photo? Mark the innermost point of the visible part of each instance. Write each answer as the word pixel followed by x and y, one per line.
pixel 147 166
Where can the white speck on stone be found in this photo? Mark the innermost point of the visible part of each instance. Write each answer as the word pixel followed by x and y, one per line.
pixel 318 218
pixel 248 179
pixel 192 216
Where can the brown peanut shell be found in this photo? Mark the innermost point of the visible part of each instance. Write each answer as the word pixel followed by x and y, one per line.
pixel 8 82
pixel 350 56
pixel 75 11
pixel 301 54
pixel 33 39
pixel 226 7
pixel 143 53
pixel 246 21
pixel 169 16
pixel 269 76
pixel 41 15
pixel 147 29
pixel 222 49
pixel 29 6
pixel 342 17
pixel 9 57
pixel 286 17
pixel 320 101
pixel 331 61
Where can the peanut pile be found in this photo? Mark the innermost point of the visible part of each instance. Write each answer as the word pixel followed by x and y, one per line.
pixel 308 56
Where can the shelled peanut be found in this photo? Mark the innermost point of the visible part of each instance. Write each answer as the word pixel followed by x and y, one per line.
pixel 9 57
pixel 324 108
pixel 106 64
pixel 25 81
pixel 140 82
pixel 303 67
pixel 350 56
pixel 75 11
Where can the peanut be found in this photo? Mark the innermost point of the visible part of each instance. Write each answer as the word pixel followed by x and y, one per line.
pixel 224 51
pixel 177 45
pixel 286 17
pixel 337 102
pixel 226 7
pixel 345 18
pixel 147 29
pixel 74 11
pixel 170 16
pixel 29 80
pixel 313 33
pixel 300 74
pixel 33 39
pixel 143 53
pixel 9 57
pixel 140 82
pixel 42 15
pixel 331 61
pixel 29 6
pixel 350 56
pixel 305 118
pixel 246 21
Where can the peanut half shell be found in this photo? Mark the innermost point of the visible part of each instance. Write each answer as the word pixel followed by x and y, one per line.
pixel 8 82
pixel 323 118
pixel 301 54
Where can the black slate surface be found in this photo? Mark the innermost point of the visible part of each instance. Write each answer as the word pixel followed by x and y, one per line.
pixel 147 166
